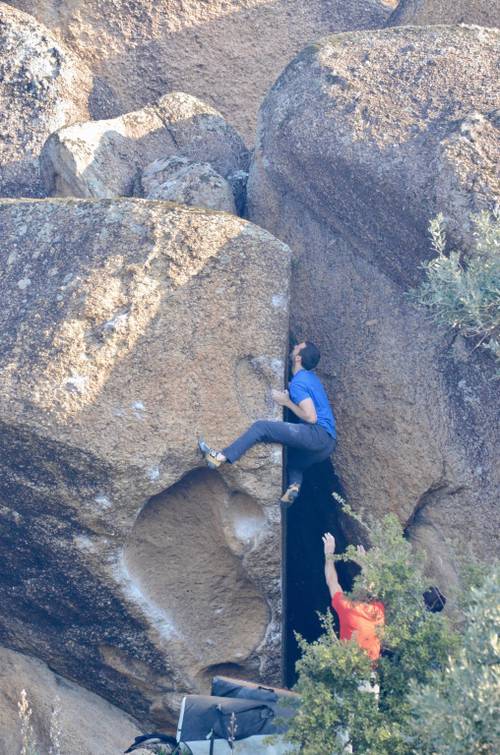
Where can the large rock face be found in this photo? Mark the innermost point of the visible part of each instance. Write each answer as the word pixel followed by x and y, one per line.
pixel 229 52
pixel 429 12
pixel 130 328
pixel 363 139
pixel 85 723
pixel 42 87
pixel 104 158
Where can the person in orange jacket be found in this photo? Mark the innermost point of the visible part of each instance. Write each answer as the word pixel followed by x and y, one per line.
pixel 358 620
pixel 361 621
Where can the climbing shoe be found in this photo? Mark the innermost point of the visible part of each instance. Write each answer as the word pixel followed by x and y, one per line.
pixel 210 455
pixel 291 493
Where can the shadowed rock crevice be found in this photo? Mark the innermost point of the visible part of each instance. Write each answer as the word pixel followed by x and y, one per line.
pixel 206 675
pixel 428 528
pixel 186 555
pixel 315 512
pixel 438 491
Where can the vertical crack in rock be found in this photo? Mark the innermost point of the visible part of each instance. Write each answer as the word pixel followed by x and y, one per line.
pixel 305 592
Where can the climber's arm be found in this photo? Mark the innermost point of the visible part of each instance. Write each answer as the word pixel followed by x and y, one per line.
pixel 304 410
pixel 330 570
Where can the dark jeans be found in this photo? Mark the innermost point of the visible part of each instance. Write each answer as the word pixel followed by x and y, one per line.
pixel 308 444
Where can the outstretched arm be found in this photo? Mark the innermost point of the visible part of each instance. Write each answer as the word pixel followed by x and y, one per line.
pixel 305 410
pixel 330 571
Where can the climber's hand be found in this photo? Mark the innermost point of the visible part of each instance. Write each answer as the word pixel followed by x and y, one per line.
pixel 281 397
pixel 328 543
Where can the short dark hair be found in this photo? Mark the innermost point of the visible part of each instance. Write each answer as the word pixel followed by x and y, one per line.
pixel 310 355
pixel 434 599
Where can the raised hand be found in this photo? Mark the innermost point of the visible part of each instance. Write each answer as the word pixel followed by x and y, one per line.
pixel 329 543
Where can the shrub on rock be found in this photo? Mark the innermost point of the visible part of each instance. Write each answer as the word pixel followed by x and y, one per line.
pixel 462 290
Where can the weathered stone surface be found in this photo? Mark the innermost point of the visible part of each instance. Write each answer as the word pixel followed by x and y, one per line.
pixel 228 53
pixel 87 724
pixel 179 180
pixel 103 158
pixel 363 139
pixel 42 87
pixel 130 328
pixel 468 176
pixel 430 12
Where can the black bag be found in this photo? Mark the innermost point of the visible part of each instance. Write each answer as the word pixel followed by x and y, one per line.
pixel 204 716
pixel 225 686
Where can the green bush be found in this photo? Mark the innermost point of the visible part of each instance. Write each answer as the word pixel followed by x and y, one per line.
pixel 417 644
pixel 458 712
pixel 462 289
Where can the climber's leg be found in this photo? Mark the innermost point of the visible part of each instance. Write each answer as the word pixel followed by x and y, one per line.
pixel 295 435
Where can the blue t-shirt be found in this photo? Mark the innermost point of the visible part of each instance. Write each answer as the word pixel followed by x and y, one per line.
pixel 305 384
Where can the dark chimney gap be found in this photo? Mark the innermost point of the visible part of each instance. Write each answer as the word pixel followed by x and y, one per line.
pixel 305 593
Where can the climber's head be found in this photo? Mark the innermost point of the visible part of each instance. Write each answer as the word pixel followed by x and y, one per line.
pixel 306 355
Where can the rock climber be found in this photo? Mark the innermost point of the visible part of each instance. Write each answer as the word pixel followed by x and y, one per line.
pixel 358 620
pixel 310 440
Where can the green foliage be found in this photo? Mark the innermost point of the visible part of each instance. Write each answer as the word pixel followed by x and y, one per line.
pixel 458 712
pixel 331 672
pixel 463 290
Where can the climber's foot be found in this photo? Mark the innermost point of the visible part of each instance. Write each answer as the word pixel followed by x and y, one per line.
pixel 213 458
pixel 291 493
